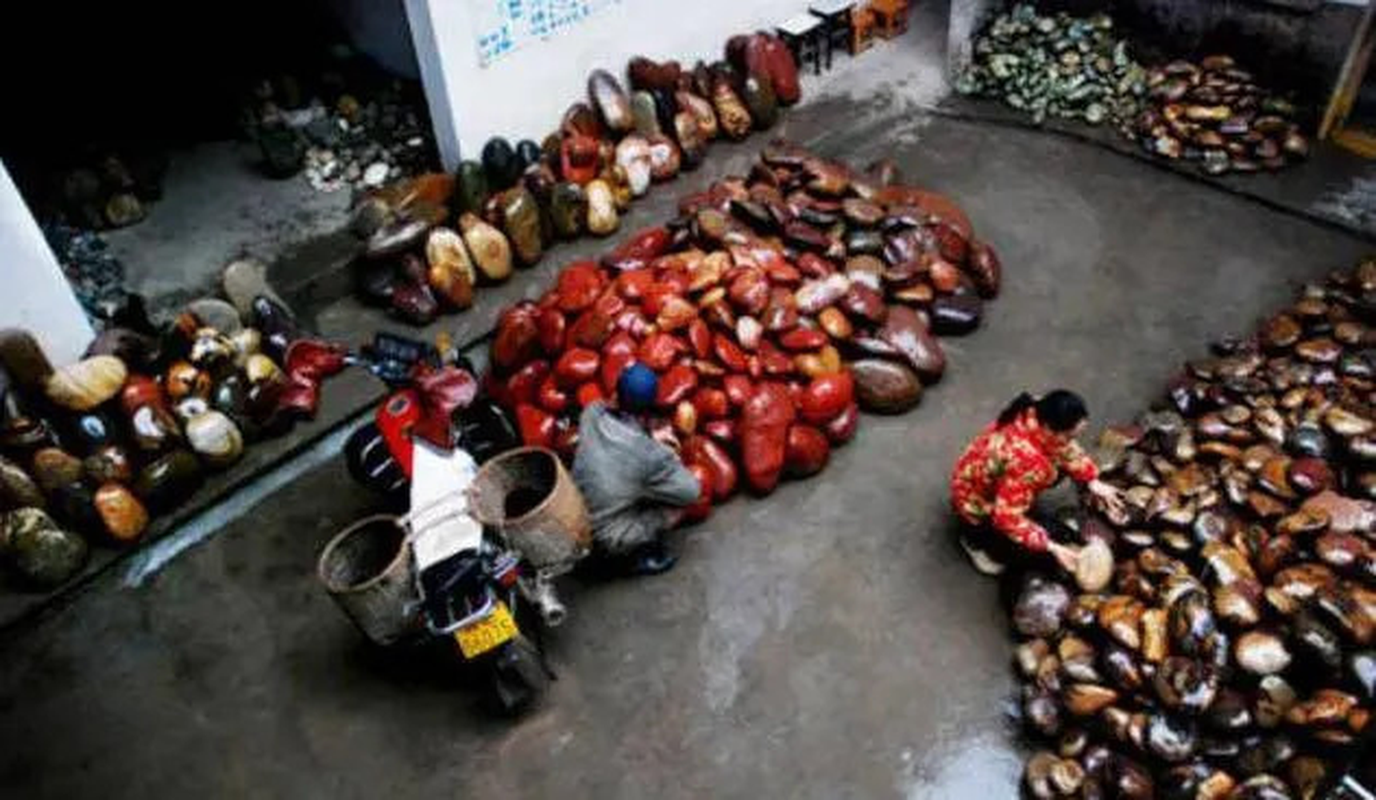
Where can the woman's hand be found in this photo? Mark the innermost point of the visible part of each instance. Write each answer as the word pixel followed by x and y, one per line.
pixel 1068 557
pixel 1108 499
pixel 666 437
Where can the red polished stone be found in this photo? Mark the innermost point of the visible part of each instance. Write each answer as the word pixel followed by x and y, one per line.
pixel 659 350
pixel 517 339
pixel 578 286
pixel 764 435
pixel 807 451
pixel 551 397
pixel 802 339
pixel 842 427
pixel 711 403
pixel 577 365
pixel 523 385
pixel 675 385
pixel 826 397
pixel 738 389
pixel 536 425
pixel 552 326
pixel 588 394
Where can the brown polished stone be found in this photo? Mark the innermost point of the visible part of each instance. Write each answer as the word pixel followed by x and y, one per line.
pixel 884 386
pixel 488 247
pixel 521 223
pixel 733 117
pixel 907 332
pixel 124 516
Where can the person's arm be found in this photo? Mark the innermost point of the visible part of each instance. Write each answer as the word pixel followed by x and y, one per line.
pixel 668 481
pixel 1012 501
pixel 1076 463
pixel 1081 468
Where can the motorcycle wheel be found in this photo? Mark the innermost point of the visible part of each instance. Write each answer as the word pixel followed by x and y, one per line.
pixel 519 678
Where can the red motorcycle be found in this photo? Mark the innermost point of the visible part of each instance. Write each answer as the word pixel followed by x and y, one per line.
pixel 421 450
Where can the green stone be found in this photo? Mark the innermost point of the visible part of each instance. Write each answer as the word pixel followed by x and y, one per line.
pixel 472 187
pixel 644 112
pixel 521 215
pixel 568 208
pixel 44 554
pixel 168 480
pixel 760 100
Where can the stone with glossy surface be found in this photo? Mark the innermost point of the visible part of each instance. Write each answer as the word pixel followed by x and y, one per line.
pixel 758 94
pixel 124 516
pixel 17 488
pixel 602 216
pixel 568 210
pixel 489 248
pixel 87 383
pixel 521 222
pixel 42 553
pixel 215 438
pixel 733 118
pixel 610 100
pixel 168 480
pixel 884 386
pixel 907 332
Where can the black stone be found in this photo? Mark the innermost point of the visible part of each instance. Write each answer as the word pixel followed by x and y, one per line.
pixel 955 315
pixel 500 163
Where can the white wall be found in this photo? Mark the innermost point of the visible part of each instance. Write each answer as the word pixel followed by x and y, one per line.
pixel 34 293
pixel 523 94
pixel 967 18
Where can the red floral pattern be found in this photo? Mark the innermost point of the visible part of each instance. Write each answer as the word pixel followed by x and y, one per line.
pixel 999 476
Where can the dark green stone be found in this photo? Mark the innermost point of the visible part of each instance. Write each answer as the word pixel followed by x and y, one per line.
pixel 44 554
pixel 168 480
pixel 568 208
pixel 646 114
pixel 759 99
pixel 472 187
pixel 521 215
pixel 284 153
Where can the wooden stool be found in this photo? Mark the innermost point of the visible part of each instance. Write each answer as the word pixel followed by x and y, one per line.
pixel 861 29
pixel 803 35
pixel 891 17
pixel 836 25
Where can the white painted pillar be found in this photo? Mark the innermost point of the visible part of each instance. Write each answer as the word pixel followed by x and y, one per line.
pixel 966 18
pixel 34 294
pixel 438 58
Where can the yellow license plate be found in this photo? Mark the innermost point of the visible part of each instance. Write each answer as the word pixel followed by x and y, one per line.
pixel 482 636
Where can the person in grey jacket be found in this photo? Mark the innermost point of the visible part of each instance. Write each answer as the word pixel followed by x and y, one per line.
pixel 634 485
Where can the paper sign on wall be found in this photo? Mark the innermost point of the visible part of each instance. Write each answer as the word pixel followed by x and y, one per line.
pixel 506 25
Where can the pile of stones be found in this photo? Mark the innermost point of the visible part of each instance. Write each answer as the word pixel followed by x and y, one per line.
pixel 352 141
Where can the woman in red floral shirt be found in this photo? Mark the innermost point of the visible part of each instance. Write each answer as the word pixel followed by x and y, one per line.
pixel 998 478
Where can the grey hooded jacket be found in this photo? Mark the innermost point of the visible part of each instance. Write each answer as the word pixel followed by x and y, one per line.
pixel 629 480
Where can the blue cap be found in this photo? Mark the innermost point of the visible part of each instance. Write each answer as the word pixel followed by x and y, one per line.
pixel 636 388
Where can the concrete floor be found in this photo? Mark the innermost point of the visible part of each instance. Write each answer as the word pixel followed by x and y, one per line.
pixel 826 642
pixel 216 207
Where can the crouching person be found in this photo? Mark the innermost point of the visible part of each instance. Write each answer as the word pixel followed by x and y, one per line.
pixel 634 484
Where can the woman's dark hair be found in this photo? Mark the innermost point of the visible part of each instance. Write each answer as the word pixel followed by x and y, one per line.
pixel 1059 410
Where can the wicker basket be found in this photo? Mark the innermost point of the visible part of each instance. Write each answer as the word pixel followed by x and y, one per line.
pixel 367 569
pixel 529 497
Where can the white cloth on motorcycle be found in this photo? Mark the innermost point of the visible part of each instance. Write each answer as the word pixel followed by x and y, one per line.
pixel 439 520
pixel 628 480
